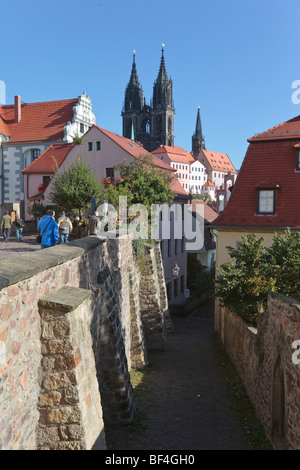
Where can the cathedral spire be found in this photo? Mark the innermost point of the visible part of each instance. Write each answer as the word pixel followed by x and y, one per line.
pixel 134 93
pixel 134 77
pixel 198 141
pixel 198 132
pixel 163 87
pixel 162 74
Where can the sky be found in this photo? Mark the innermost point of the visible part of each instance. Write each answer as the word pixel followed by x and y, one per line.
pixel 237 60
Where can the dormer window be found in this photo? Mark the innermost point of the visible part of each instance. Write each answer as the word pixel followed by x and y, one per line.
pixel 266 202
pixel 266 198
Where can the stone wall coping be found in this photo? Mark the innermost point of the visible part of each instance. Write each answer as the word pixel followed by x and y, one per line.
pixel 289 300
pixel 66 298
pixel 20 267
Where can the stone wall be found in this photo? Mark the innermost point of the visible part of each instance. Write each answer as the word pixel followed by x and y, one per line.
pixel 46 344
pixel 263 358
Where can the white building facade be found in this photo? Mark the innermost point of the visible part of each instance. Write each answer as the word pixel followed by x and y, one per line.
pixel 35 127
pixel 197 177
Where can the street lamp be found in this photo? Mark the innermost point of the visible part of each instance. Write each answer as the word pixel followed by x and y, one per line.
pixel 176 270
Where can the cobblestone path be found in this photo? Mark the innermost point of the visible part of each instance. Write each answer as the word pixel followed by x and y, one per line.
pixel 184 397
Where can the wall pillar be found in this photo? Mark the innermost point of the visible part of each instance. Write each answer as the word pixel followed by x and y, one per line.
pixel 151 306
pixel 69 402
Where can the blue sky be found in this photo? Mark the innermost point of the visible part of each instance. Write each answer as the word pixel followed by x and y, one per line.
pixel 237 60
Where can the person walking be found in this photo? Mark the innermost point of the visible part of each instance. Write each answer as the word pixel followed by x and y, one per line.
pixel 19 228
pixel 6 226
pixel 48 229
pixel 65 227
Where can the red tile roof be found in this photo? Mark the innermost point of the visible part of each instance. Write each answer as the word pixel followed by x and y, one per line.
pixel 49 160
pixel 286 130
pixel 218 161
pixel 39 122
pixel 178 189
pixel 134 149
pixel 199 205
pixel 266 164
pixel 176 154
pixel 208 183
pixel 53 157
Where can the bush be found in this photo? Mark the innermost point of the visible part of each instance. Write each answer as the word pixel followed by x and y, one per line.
pixel 244 282
pixel 200 279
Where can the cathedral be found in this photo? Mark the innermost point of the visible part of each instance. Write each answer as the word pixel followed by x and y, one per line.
pixel 152 125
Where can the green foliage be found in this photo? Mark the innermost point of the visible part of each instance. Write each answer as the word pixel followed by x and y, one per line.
pixel 284 263
pixel 200 279
pixel 74 187
pixel 143 183
pixel 243 283
pixel 78 139
pixel 206 198
pixel 37 210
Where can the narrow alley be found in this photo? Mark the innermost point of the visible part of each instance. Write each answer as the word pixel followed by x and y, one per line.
pixel 183 398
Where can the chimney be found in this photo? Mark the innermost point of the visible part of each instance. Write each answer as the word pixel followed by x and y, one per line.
pixel 17 109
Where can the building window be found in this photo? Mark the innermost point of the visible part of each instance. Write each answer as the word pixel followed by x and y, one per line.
pixel 90 146
pixel 82 128
pixel 266 201
pixel 35 154
pixel 46 180
pixel 109 172
pixel 98 145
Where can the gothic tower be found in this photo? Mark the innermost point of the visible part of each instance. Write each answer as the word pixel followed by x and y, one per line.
pixel 133 102
pixel 163 109
pixel 153 125
pixel 198 141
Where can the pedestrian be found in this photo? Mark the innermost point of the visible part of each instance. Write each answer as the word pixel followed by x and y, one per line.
pixel 6 226
pixel 65 227
pixel 19 228
pixel 81 227
pixel 48 229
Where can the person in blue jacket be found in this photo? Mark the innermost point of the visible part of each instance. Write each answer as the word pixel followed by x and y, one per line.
pixel 48 229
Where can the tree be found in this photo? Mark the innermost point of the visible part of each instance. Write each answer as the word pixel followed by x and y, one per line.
pixel 283 263
pixel 244 282
pixel 37 210
pixel 74 187
pixel 143 183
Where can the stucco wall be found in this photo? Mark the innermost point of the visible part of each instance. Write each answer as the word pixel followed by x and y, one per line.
pixel 233 237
